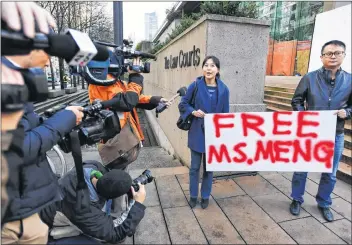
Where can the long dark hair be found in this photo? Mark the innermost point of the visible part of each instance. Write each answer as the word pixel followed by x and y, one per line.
pixel 216 62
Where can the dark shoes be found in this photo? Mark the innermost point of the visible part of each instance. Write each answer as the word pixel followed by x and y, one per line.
pixel 295 207
pixel 193 202
pixel 327 214
pixel 204 203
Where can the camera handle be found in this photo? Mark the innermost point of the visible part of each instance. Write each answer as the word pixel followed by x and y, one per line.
pixel 82 204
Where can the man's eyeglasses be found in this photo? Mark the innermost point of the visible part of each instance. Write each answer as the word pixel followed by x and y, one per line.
pixel 336 53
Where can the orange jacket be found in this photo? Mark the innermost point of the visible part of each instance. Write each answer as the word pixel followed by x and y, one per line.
pixel 128 97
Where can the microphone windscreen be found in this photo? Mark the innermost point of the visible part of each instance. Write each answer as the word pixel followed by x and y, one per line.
pixel 114 183
pixel 182 91
pixel 103 53
pixel 63 46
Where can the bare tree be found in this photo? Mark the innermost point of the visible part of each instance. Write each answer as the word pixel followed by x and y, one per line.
pixel 88 17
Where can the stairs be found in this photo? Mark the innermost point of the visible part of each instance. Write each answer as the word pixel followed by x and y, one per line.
pixel 278 98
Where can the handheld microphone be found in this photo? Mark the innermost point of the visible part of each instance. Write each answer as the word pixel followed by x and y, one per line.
pixel 161 107
pixel 75 48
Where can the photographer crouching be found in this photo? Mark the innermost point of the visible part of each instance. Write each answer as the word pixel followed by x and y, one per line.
pixel 70 227
pixel 32 185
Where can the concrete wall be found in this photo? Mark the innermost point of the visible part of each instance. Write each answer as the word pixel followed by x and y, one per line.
pixel 241 44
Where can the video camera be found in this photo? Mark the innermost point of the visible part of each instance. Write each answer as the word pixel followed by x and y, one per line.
pixel 119 60
pixel 97 124
pixel 67 46
pixel 13 96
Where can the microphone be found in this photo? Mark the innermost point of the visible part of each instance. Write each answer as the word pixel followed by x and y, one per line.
pixel 64 46
pixel 114 183
pixel 76 49
pixel 161 107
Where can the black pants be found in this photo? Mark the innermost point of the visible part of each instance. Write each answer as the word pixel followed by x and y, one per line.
pixel 81 239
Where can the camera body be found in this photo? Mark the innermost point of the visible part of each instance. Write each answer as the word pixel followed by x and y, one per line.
pixel 118 63
pixel 96 125
pixel 143 179
pixel 13 96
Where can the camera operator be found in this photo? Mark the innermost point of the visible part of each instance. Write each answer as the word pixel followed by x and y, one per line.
pixel 32 185
pixel 67 225
pixel 16 15
pixel 124 97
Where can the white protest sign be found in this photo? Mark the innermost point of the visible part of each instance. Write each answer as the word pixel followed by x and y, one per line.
pixel 270 141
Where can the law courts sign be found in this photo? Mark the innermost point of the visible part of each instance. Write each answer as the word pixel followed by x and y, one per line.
pixel 184 59
pixel 179 62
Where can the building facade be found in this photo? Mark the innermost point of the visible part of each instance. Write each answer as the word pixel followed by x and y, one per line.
pixel 151 25
pixel 291 33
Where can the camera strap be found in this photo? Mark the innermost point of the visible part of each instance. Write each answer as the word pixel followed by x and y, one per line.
pixel 82 204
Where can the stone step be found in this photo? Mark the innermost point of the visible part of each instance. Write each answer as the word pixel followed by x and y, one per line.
pixel 280 105
pixel 278 98
pixel 348 141
pixel 282 89
pixel 279 93
pixel 347 156
pixel 345 172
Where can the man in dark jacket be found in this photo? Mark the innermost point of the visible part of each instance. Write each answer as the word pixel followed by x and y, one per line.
pixel 32 185
pixel 328 88
pixel 67 225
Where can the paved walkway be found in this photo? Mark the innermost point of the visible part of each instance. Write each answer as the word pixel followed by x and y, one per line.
pixel 252 210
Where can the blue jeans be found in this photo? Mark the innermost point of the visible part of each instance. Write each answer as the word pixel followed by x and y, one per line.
pixel 196 160
pixel 327 180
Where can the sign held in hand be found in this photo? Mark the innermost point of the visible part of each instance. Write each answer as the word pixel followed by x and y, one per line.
pixel 270 141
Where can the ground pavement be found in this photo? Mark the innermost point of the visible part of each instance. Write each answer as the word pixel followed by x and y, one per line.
pixel 252 210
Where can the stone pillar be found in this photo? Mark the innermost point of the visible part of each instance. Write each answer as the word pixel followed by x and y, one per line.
pixel 241 44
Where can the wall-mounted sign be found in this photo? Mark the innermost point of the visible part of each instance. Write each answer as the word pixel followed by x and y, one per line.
pixel 184 59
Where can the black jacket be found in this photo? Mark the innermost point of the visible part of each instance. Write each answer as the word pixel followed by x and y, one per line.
pixel 32 185
pixel 95 223
pixel 321 93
